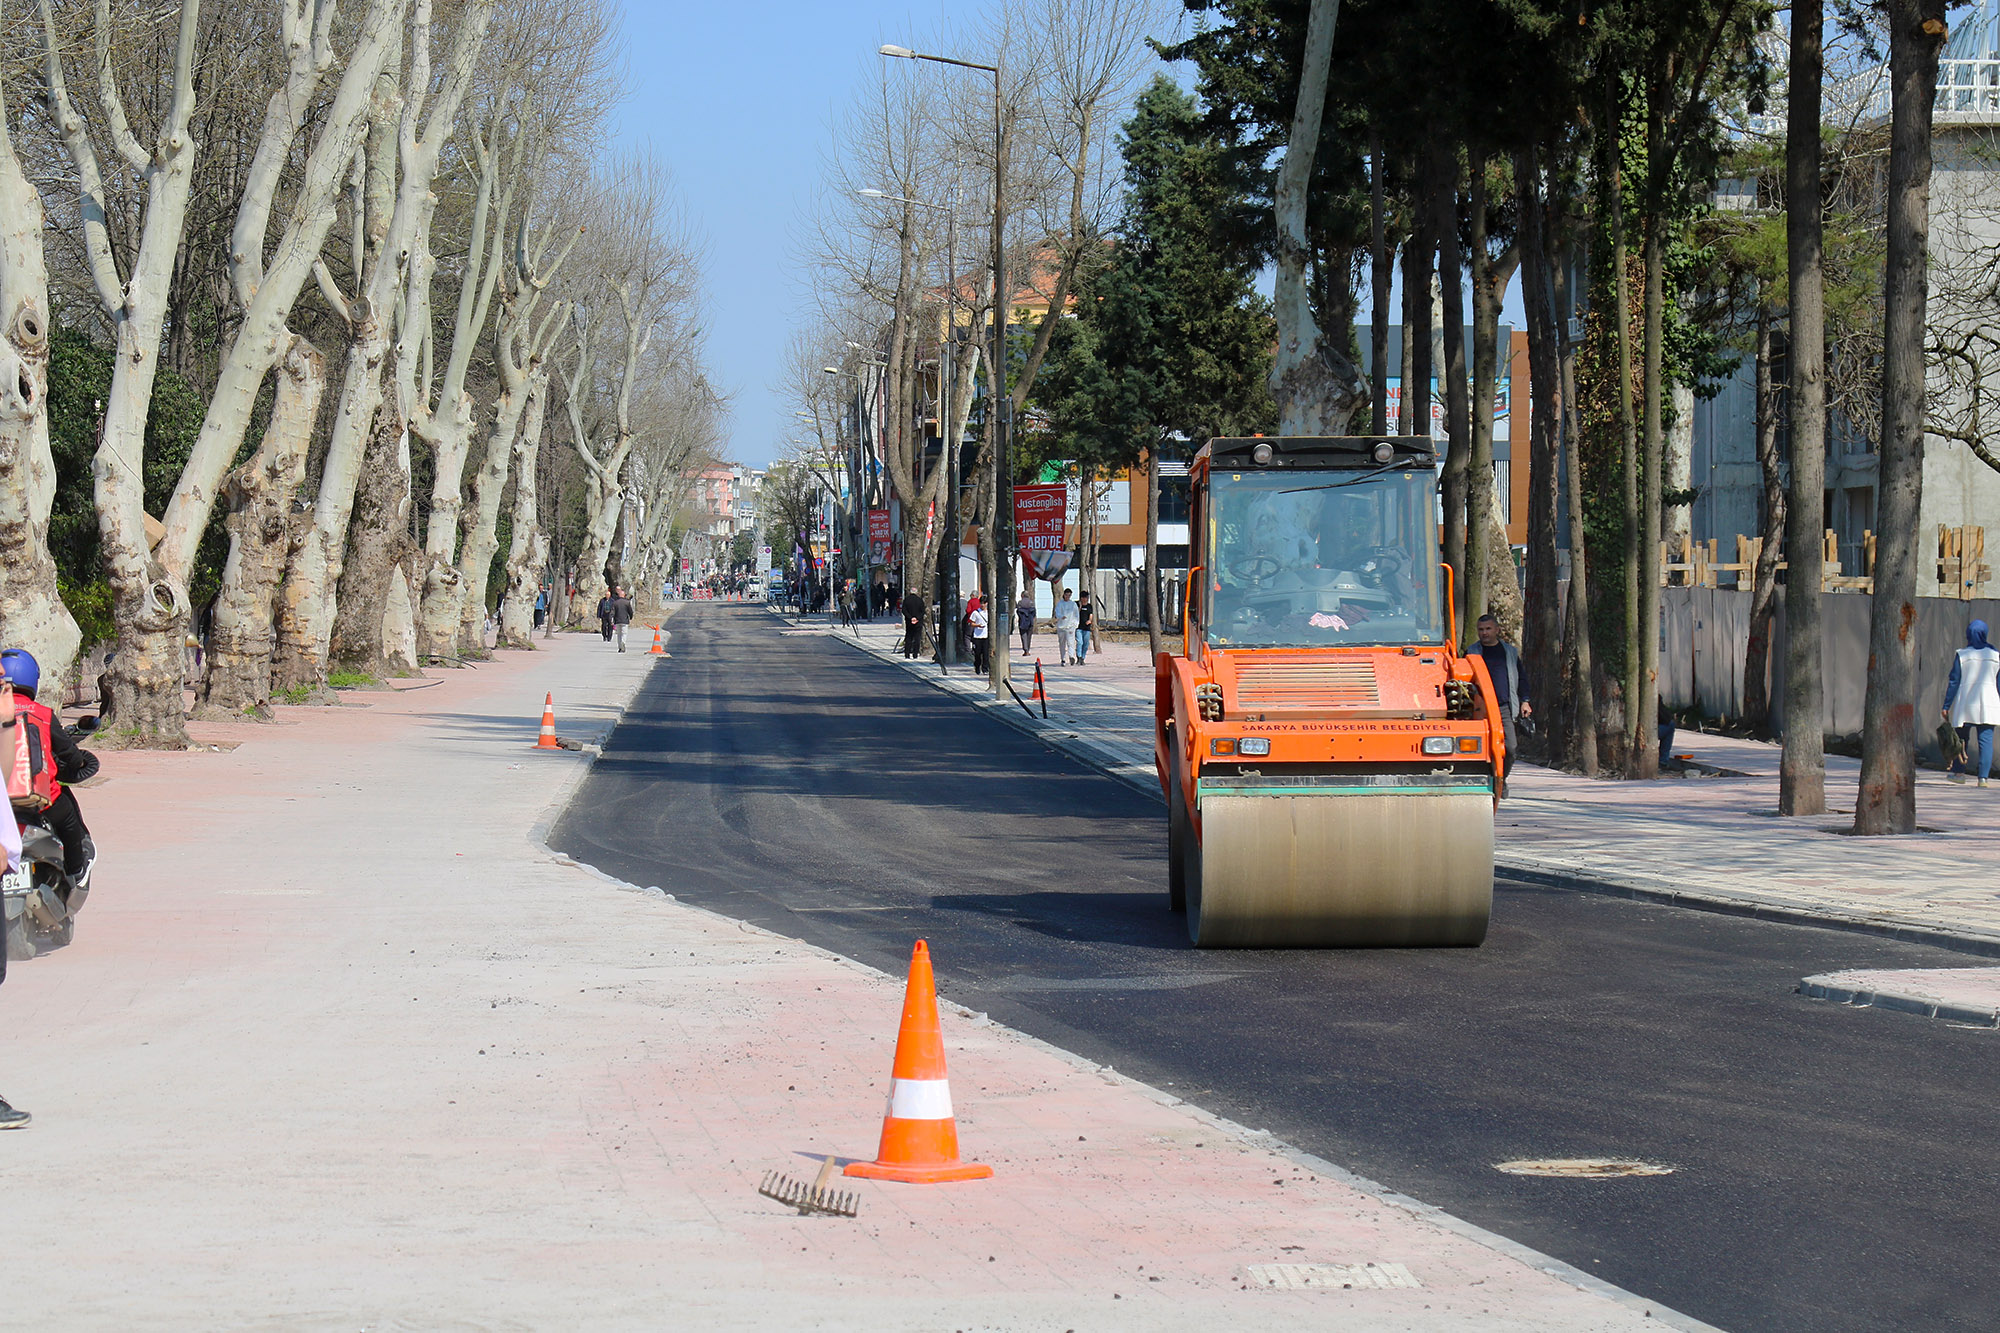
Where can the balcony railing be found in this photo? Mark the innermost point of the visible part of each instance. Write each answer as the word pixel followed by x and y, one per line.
pixel 1968 89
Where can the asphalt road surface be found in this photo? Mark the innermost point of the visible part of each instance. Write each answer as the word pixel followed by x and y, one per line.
pixel 1835 1168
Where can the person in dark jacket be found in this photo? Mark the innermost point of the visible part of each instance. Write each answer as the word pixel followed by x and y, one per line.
pixel 604 616
pixel 913 622
pixel 621 615
pixel 1510 682
pixel 1024 621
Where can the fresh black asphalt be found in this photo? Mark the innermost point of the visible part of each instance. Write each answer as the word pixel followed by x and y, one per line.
pixel 1835 1168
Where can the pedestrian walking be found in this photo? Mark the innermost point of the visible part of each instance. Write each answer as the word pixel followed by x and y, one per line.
pixel 975 621
pixel 1086 623
pixel 1510 683
pixel 1024 621
pixel 621 615
pixel 604 615
pixel 913 623
pixel 1972 699
pixel 541 606
pixel 1066 621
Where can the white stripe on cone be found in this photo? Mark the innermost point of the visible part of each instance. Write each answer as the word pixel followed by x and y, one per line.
pixel 920 1099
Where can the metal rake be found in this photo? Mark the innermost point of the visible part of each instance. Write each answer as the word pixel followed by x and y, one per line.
pixel 813 1198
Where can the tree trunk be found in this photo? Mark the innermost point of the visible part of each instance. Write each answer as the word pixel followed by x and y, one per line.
pixel 528 554
pixel 1644 718
pixel 1541 633
pixel 31 608
pixel 1887 802
pixel 1802 762
pixel 400 651
pixel 1419 268
pixel 1578 656
pixel 1630 439
pixel 1456 481
pixel 1490 572
pixel 442 608
pixel 259 497
pixel 1503 583
pixel 307 603
pixel 1315 386
pixel 482 520
pixel 1380 277
pixel 1764 598
pixel 1677 469
pixel 377 541
pixel 1149 586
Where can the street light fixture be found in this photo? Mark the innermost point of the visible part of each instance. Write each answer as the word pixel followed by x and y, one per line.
pixel 1003 481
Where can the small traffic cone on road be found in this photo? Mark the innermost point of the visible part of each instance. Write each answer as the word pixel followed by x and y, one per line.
pixel 919 1135
pixel 658 649
pixel 548 739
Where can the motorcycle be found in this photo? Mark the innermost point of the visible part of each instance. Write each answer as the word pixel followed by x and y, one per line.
pixel 41 899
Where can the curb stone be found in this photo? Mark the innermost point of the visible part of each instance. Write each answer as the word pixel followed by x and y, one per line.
pixel 1550 874
pixel 1824 987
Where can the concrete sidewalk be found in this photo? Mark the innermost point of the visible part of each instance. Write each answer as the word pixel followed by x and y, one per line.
pixel 342 1045
pixel 1714 842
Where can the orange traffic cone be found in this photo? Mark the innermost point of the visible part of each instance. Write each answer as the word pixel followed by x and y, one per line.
pixel 658 649
pixel 1038 695
pixel 548 737
pixel 919 1135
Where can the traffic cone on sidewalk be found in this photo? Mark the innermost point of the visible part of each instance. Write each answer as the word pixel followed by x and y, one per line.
pixel 1038 696
pixel 548 739
pixel 658 649
pixel 919 1135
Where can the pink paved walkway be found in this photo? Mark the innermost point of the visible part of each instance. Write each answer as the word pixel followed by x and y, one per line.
pixel 340 1045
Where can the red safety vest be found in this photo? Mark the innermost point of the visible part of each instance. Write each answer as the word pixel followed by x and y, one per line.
pixel 31 757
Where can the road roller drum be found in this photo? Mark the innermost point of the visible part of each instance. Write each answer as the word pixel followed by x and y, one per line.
pixel 1340 871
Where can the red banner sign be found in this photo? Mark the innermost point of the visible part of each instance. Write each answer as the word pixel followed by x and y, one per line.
pixel 1038 517
pixel 879 535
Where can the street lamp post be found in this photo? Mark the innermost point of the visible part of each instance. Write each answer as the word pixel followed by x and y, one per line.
pixel 1000 617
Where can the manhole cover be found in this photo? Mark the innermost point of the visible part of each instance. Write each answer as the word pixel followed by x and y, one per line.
pixel 1334 1277
pixel 1588 1168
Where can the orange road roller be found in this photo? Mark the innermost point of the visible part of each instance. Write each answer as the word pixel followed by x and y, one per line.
pixel 1331 763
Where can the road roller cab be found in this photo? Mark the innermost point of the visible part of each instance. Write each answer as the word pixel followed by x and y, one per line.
pixel 1330 762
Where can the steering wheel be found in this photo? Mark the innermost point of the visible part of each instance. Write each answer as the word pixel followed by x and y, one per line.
pixel 1251 568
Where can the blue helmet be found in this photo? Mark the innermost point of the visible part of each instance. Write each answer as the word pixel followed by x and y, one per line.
pixel 19 666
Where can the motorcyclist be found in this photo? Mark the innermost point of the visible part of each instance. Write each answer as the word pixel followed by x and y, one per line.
pixel 73 764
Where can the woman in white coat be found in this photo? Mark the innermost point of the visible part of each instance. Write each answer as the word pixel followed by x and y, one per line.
pixel 1972 697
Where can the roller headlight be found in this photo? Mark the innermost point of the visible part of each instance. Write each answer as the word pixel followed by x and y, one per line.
pixel 1261 455
pixel 1254 746
pixel 1440 745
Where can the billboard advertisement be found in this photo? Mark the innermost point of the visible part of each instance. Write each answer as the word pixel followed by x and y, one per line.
pixel 1040 514
pixel 879 536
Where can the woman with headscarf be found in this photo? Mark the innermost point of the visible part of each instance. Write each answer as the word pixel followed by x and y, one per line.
pixel 1972 697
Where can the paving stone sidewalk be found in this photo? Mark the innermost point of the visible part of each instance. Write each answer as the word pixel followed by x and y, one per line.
pixel 1710 841
pixel 342 1045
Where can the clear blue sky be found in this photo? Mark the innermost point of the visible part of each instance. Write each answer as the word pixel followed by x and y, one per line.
pixel 735 97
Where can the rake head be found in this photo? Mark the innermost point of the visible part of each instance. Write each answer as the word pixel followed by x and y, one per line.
pixel 813 1198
